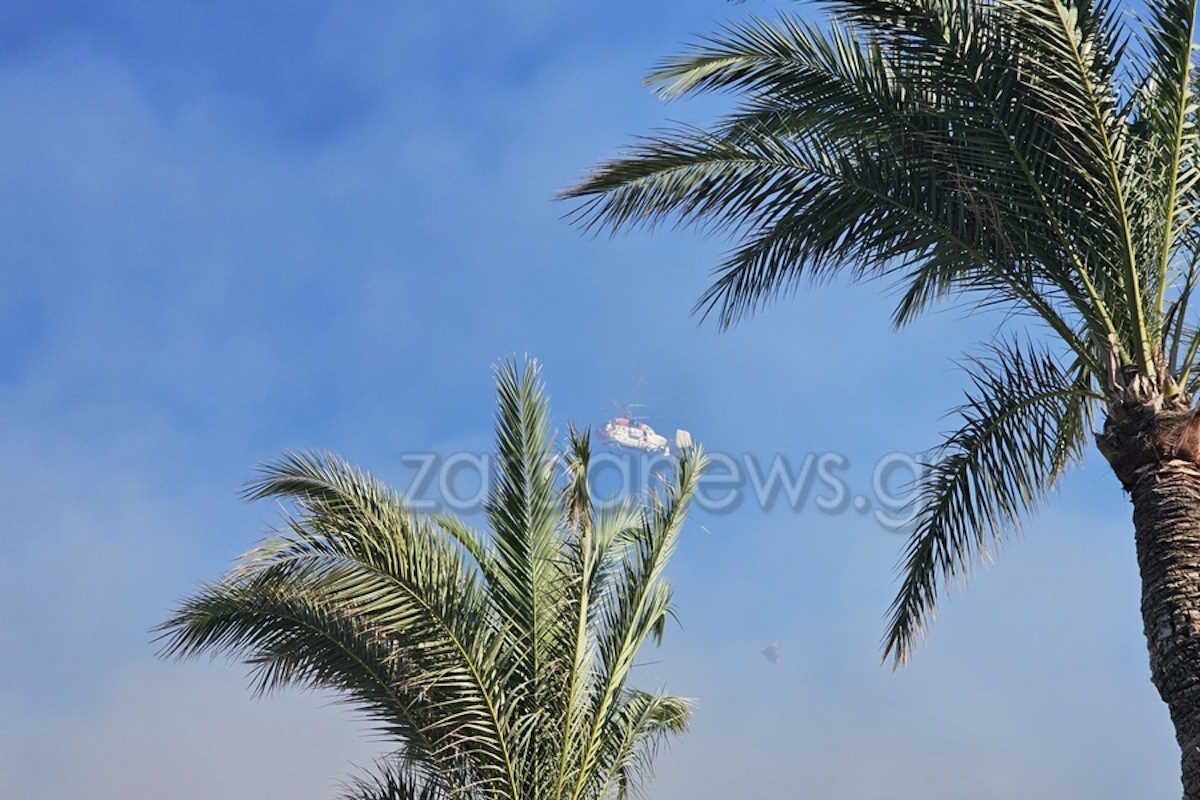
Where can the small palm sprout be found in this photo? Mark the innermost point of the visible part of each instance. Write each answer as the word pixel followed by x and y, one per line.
pixel 498 664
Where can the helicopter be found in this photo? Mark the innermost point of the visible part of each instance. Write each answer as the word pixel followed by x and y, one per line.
pixel 628 431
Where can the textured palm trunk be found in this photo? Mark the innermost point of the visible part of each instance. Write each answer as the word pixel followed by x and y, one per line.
pixel 1156 455
pixel 1166 516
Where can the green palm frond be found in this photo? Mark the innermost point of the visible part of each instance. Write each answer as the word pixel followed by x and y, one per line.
pixel 638 601
pixel 522 509
pixel 636 728
pixel 356 566
pixel 394 779
pixel 1022 420
pixel 832 164
pixel 576 650
pixel 473 543
pixel 1168 118
pixel 484 657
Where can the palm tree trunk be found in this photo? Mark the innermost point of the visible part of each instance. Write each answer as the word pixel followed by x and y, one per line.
pixel 1166 517
pixel 1155 452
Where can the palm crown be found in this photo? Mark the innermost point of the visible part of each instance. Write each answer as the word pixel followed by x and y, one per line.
pixel 1036 155
pixel 500 664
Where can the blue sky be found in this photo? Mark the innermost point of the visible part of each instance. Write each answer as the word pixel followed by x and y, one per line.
pixel 233 231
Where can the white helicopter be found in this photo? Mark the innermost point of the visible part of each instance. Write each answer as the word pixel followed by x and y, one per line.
pixel 627 431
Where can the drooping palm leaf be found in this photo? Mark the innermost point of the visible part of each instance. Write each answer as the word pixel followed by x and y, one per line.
pixel 393 779
pixel 1020 423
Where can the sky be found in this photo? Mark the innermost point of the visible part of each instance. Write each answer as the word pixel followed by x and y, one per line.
pixel 233 229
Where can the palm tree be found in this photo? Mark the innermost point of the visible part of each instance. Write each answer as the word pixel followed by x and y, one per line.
pixel 1039 156
pixel 499 666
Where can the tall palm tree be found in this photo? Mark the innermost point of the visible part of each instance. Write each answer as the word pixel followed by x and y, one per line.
pixel 499 666
pixel 1039 156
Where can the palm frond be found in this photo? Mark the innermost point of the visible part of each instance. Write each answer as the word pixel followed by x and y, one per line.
pixel 523 512
pixel 393 779
pixel 354 560
pixel 573 645
pixel 846 156
pixel 639 601
pixel 637 726
pixel 1019 425
pixel 1167 112
pixel 1086 40
pixel 473 543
